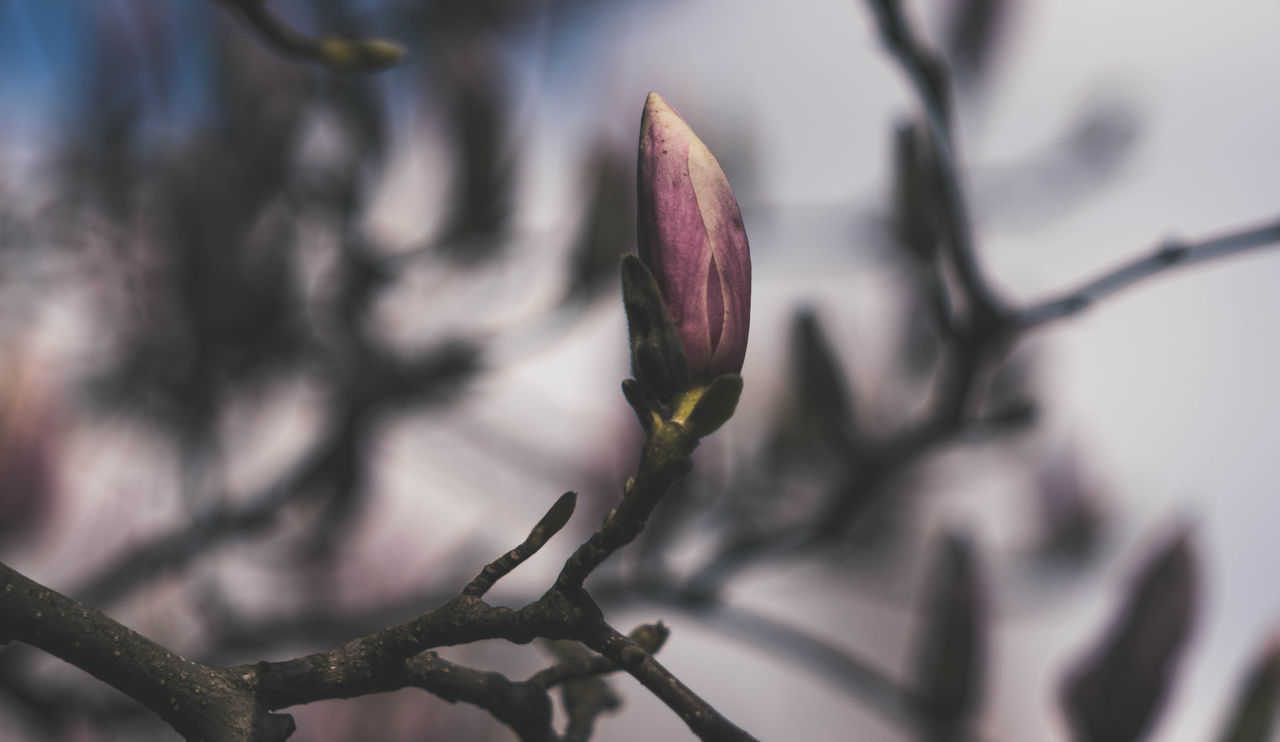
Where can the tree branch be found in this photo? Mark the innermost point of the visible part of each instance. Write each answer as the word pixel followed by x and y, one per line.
pixel 650 636
pixel 198 701
pixel 928 76
pixel 664 460
pixel 699 715
pixel 1170 255
pixel 551 523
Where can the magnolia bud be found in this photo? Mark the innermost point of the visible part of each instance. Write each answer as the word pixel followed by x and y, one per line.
pixel 692 239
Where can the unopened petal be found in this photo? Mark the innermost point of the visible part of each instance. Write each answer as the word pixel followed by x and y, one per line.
pixel 730 255
pixel 673 239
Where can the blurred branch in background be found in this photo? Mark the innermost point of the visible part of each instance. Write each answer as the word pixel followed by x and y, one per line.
pixel 1172 254
pixel 339 53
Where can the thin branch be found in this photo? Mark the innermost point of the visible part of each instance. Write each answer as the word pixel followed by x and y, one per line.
pixel 235 704
pixel 840 666
pixel 927 74
pixel 650 636
pixel 664 460
pixel 859 678
pixel 1170 255
pixel 699 715
pixel 584 693
pixel 551 523
pixel 524 707
pixel 875 462
pixel 235 636
pixel 574 668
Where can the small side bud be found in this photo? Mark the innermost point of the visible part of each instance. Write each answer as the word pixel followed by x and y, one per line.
pixel 650 636
pixel 657 356
pixel 555 519
pixel 646 408
pixel 360 54
pixel 633 655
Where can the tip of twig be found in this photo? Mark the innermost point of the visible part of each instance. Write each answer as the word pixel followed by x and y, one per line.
pixel 557 516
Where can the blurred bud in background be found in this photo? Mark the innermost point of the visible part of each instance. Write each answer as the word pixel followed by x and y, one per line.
pixel 950 656
pixel 1089 154
pixel 1070 510
pixel 608 226
pixel 1254 717
pixel 474 78
pixel 1116 693
pixel 816 420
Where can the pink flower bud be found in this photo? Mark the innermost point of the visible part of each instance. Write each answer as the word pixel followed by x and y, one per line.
pixel 692 239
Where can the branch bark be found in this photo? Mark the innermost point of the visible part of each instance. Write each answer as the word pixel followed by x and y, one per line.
pixel 201 703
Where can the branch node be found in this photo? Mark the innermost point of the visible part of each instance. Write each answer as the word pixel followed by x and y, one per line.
pixel 1172 251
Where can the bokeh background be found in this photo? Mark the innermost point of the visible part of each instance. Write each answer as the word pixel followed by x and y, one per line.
pixel 391 302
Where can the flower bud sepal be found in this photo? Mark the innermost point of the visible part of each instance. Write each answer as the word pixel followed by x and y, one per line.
pixel 699 411
pixel 647 409
pixel 658 361
pixel 662 389
pixel 702 410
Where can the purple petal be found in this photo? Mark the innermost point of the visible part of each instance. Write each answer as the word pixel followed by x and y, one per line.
pixel 715 304
pixel 691 237
pixel 730 254
pixel 672 238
